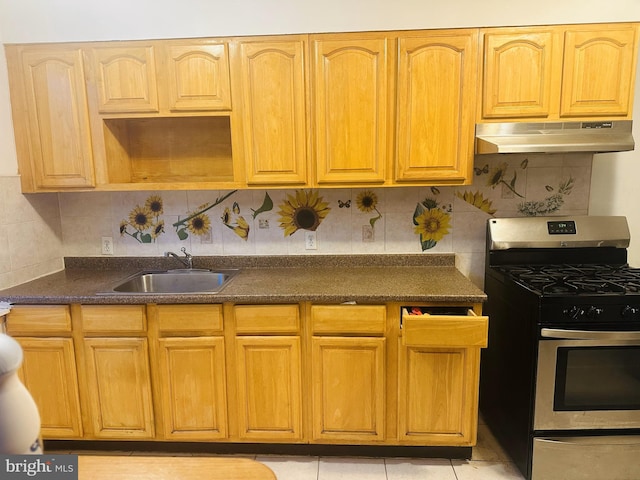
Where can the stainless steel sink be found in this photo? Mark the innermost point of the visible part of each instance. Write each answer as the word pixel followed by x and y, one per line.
pixel 172 282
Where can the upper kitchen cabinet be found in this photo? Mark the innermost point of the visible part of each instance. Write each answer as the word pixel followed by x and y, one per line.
pixel 270 84
pixel 352 107
pixel 598 71
pixel 197 76
pixel 436 90
pixel 164 76
pixel 551 73
pixel 125 77
pixel 161 115
pixel 50 117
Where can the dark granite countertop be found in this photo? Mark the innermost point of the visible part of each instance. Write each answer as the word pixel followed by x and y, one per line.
pixel 264 279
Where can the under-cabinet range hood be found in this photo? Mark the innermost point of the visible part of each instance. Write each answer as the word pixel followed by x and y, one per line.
pixel 554 137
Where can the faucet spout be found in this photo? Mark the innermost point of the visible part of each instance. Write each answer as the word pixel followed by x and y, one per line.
pixel 187 261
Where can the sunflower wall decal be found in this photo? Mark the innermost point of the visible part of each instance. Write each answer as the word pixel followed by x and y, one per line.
pixel 304 210
pixel 431 222
pixel 238 224
pixel 367 201
pixel 145 221
pixel 198 222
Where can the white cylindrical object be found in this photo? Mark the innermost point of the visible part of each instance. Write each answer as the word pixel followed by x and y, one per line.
pixel 19 417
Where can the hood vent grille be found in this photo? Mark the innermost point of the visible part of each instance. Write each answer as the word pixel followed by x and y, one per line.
pixel 554 137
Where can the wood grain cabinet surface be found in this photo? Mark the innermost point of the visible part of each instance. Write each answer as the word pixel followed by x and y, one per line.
pixel 437 78
pixel 268 372
pixel 189 371
pixel 271 77
pixel 274 373
pixel 438 371
pixel 348 373
pixel 51 117
pixel 49 367
pixel 559 72
pixel 352 109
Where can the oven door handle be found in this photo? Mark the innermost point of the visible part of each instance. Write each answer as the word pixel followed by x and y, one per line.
pixel 587 334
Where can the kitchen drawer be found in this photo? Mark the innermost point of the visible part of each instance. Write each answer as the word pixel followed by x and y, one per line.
pixel 267 319
pixel 442 330
pixel 366 320
pixel 114 319
pixel 182 319
pixel 39 319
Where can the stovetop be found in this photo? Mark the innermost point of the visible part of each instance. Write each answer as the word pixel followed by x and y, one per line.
pixel 575 280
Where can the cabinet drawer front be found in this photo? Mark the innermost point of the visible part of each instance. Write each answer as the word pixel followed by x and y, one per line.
pixel 265 319
pixel 190 318
pixel 348 319
pixel 36 319
pixel 113 318
pixel 444 330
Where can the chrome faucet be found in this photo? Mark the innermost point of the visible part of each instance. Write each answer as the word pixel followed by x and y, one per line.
pixel 187 261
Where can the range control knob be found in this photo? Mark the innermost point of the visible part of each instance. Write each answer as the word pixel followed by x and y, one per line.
pixel 575 312
pixel 629 312
pixel 594 312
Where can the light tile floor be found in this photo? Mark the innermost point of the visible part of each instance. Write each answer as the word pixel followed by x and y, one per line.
pixel 488 462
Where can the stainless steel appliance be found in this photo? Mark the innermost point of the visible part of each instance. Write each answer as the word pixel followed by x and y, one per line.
pixel 560 381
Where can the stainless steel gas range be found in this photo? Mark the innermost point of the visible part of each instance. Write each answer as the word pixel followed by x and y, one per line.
pixel 560 380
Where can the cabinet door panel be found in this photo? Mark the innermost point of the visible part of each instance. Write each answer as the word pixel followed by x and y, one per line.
pixel 49 373
pixel 198 77
pixel 436 99
pixel 518 73
pixel 599 68
pixel 125 79
pixel 438 395
pixel 193 387
pixel 351 111
pixel 269 387
pixel 119 387
pixel 348 388
pixel 273 86
pixel 58 116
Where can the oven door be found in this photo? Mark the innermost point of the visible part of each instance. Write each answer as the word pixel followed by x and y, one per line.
pixel 587 380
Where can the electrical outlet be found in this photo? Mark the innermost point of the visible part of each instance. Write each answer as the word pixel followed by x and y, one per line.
pixel 107 246
pixel 367 234
pixel 310 242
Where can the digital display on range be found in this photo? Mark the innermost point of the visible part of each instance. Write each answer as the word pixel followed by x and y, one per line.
pixel 565 227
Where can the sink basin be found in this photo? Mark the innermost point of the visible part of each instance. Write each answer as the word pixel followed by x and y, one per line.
pixel 171 282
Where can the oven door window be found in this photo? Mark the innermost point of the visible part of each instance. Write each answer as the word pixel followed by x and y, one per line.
pixel 597 378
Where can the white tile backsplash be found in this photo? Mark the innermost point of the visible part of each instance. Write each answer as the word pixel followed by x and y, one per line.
pixel 38 230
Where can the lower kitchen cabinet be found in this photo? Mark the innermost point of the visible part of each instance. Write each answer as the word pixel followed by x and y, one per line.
pixel 192 386
pixel 269 388
pixel 48 369
pixel 348 373
pixel 438 370
pixel 268 372
pixel 190 371
pixel 119 388
pixel 291 373
pixel 348 389
pixel 116 369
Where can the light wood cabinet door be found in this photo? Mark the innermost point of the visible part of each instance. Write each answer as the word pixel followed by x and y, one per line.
pixel 438 378
pixel 351 110
pixel 192 386
pixel 348 375
pixel 197 76
pixel 269 387
pixel 119 388
pixel 125 78
pixel 272 81
pixel 51 117
pixel 437 80
pixel 49 372
pixel 599 71
pixel 521 72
